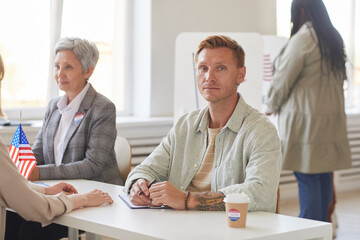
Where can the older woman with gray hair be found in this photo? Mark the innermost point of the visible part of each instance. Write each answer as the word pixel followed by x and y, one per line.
pixel 36 202
pixel 79 129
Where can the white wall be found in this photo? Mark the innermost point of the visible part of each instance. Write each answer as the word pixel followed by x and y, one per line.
pixel 140 75
pixel 168 18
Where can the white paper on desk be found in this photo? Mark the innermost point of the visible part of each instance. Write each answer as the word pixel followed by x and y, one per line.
pixel 125 198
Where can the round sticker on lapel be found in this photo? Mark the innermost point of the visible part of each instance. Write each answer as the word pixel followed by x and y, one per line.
pixel 78 117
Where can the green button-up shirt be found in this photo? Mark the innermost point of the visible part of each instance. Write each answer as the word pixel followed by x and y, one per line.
pixel 247 156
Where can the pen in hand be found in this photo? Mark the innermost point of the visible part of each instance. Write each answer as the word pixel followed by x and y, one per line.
pixel 148 186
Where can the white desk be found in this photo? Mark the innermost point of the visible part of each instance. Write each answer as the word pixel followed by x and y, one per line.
pixel 120 222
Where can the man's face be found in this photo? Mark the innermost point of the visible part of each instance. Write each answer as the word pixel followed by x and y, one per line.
pixel 217 75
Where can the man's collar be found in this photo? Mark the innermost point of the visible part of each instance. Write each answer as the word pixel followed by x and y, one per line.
pixel 235 121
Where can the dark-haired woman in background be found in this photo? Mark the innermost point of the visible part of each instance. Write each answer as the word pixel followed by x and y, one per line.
pixel 307 93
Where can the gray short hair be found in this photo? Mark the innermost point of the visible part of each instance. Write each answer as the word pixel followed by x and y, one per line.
pixel 85 51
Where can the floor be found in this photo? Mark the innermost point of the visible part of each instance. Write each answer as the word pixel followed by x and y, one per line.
pixel 347 210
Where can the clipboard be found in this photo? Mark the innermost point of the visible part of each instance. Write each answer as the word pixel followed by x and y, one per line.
pixel 125 197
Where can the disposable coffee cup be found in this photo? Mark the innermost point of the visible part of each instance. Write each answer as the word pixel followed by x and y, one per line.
pixel 236 205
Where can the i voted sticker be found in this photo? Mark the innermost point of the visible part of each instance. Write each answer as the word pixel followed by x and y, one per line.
pixel 78 117
pixel 233 215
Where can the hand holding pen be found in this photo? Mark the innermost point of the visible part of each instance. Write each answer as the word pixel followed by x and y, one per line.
pixel 148 186
pixel 139 194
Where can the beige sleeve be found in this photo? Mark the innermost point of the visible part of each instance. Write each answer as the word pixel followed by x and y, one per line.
pixel 288 66
pixel 37 187
pixel 18 194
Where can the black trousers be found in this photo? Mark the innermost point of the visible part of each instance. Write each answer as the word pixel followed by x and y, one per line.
pixel 18 228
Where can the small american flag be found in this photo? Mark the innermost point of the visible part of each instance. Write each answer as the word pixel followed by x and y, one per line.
pixel 21 153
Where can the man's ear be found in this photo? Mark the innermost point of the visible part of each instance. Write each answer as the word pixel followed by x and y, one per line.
pixel 89 72
pixel 242 74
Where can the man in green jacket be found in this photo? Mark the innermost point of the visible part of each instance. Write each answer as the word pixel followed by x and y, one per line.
pixel 227 147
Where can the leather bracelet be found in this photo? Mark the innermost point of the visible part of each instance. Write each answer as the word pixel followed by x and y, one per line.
pixel 186 200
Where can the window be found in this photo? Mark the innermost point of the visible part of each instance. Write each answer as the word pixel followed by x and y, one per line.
pixel 26 45
pixel 345 17
pixel 81 19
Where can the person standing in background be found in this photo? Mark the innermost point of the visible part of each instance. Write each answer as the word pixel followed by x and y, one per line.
pixel 307 93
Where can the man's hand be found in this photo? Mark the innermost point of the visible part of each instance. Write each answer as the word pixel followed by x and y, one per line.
pixel 35 174
pixel 60 187
pixel 165 193
pixel 140 199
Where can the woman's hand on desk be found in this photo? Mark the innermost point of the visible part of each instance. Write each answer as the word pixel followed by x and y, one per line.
pixel 60 187
pixel 91 199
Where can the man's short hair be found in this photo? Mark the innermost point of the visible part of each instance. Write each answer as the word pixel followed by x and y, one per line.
pixel 218 41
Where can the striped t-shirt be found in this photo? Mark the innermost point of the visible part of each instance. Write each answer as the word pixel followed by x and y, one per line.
pixel 202 179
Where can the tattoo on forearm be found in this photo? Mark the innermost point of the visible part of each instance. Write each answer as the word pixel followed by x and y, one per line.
pixel 210 201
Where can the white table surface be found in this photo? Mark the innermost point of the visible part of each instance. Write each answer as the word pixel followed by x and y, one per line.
pixel 120 222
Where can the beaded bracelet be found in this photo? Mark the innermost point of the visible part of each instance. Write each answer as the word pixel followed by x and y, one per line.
pixel 186 200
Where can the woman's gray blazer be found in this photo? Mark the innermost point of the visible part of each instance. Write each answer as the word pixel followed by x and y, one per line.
pixel 89 143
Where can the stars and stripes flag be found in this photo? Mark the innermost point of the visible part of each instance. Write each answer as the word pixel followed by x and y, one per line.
pixel 21 153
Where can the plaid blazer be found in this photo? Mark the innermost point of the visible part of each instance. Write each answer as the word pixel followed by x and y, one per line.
pixel 89 143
